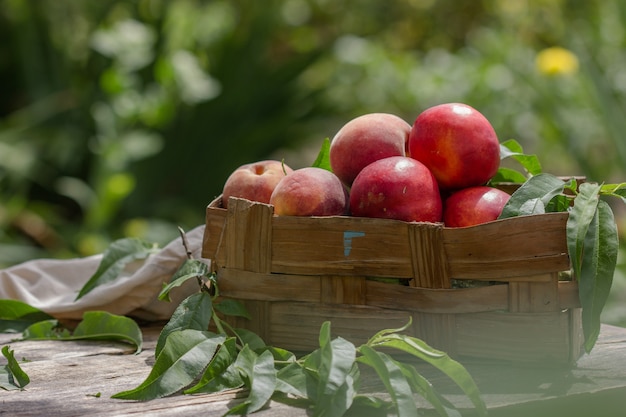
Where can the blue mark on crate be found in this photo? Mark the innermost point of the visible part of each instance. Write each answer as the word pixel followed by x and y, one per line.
pixel 348 235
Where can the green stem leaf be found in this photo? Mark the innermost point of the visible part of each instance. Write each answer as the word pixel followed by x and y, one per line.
pixel 216 378
pixel 119 254
pixel 185 354
pixel 194 312
pixel 512 149
pixel 260 373
pixel 191 268
pixel 440 360
pixel 95 325
pixel 16 316
pixel 599 258
pixel 323 157
pixel 533 196
pixel 11 375
pixel 393 378
pixel 580 217
pixel 335 388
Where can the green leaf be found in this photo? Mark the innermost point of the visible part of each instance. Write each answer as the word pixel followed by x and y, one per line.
pixel 370 406
pixel 599 258
pixel 507 175
pixel 615 190
pixel 512 149
pixel 231 307
pixel 423 387
pixel 45 330
pixel 101 325
pixel 293 379
pixel 114 260
pixel 95 325
pixel 335 389
pixel 382 333
pixel 185 354
pixel 282 355
pixel 215 377
pixel 323 157
pixel 251 339
pixel 393 378
pixel 580 217
pixel 261 379
pixel 440 360
pixel 191 268
pixel 11 375
pixel 533 196
pixel 16 316
pixel 194 312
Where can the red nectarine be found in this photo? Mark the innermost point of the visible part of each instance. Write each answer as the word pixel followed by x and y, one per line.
pixel 398 188
pixel 473 205
pixel 457 143
pixel 310 192
pixel 254 181
pixel 364 140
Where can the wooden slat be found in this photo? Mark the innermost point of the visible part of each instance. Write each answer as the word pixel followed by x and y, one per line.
pixel 350 290
pixel 247 285
pixel 458 301
pixel 526 245
pixel 249 235
pixel 296 326
pixel 213 246
pixel 430 269
pixel 439 330
pixel 568 294
pixel 534 297
pixel 521 337
pixel 340 246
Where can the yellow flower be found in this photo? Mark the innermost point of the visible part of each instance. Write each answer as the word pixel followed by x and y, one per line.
pixel 556 61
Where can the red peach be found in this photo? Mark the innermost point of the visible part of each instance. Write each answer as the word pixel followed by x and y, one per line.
pixel 457 143
pixel 474 205
pixel 310 192
pixel 364 140
pixel 255 181
pixel 398 188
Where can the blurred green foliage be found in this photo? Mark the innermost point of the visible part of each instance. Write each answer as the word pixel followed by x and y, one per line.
pixel 124 118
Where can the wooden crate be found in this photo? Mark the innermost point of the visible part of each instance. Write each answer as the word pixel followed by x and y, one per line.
pixel 294 273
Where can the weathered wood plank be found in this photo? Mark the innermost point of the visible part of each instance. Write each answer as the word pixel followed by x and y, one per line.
pixel 66 378
pixel 78 378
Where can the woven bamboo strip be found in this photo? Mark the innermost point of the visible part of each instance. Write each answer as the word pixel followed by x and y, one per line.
pixel 249 235
pixel 428 256
pixel 527 337
pixel 457 301
pixel 340 246
pixel 533 297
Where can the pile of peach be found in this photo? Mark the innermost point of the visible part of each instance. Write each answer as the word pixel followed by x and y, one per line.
pixel 432 171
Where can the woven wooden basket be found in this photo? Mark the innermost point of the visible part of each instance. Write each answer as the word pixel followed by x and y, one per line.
pixel 494 291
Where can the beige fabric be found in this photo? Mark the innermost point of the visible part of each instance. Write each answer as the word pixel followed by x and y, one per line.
pixel 51 285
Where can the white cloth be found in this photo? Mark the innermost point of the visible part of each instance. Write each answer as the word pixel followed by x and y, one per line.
pixel 51 285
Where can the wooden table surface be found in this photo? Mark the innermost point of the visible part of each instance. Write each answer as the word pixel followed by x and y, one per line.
pixel 78 378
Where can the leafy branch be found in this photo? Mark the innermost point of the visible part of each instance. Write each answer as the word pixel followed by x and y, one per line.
pixel 592 237
pixel 191 359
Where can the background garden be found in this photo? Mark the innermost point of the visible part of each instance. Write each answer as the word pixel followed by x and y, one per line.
pixel 124 118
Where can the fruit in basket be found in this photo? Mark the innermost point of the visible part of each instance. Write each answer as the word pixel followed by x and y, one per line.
pixel 457 143
pixel 473 205
pixel 310 191
pixel 255 181
pixel 398 188
pixel 364 140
